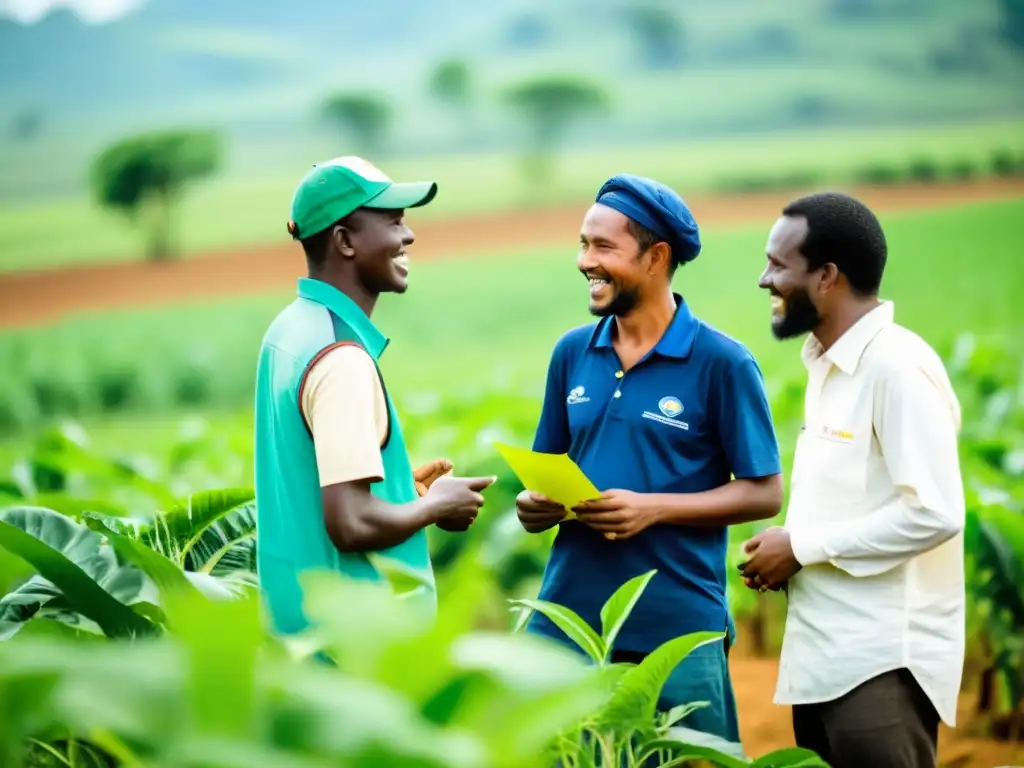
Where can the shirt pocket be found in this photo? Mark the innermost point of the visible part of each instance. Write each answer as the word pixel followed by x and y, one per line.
pixel 834 467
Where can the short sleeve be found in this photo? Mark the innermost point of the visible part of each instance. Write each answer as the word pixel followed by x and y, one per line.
pixel 344 405
pixel 553 428
pixel 744 420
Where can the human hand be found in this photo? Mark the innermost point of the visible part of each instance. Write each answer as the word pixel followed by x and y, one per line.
pixel 537 512
pixel 617 514
pixel 425 476
pixel 456 500
pixel 770 562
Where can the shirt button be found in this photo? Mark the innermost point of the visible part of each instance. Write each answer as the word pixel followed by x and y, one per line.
pixel 618 393
pixel 618 374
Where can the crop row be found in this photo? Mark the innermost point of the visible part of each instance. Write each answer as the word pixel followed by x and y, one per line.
pixel 1001 163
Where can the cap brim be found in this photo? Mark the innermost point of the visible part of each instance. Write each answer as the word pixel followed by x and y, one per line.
pixel 410 194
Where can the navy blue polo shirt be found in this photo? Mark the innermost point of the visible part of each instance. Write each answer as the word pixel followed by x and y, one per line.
pixel 691 414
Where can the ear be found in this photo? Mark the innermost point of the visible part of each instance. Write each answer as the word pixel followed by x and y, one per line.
pixel 828 278
pixel 342 240
pixel 660 255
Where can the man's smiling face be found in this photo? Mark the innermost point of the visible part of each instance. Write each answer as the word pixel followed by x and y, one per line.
pixel 789 281
pixel 611 260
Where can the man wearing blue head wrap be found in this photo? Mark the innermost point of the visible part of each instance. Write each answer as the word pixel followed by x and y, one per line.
pixel 669 418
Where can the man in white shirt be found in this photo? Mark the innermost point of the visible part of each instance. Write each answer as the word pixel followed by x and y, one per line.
pixel 871 555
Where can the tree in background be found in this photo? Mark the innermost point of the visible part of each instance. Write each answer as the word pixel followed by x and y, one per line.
pixel 451 85
pixel 1011 22
pixel 27 124
pixel 364 118
pixel 548 105
pixel 660 36
pixel 144 176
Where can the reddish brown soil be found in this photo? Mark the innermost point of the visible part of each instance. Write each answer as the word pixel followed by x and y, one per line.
pixel 36 297
pixel 765 726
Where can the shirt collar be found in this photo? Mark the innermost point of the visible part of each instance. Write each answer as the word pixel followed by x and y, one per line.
pixel 346 309
pixel 846 353
pixel 677 341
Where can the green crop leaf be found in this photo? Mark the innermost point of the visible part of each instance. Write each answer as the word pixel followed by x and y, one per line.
pixel 635 699
pixel 176 531
pixel 791 757
pixel 572 624
pixel 618 607
pixel 226 545
pixel 165 574
pixel 55 545
pixel 684 745
pixel 220 641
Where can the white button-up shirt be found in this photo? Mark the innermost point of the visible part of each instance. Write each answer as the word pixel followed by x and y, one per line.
pixel 875 516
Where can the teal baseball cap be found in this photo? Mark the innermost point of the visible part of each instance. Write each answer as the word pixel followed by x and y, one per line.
pixel 333 189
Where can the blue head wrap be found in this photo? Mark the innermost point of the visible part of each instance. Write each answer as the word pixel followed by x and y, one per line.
pixel 657 207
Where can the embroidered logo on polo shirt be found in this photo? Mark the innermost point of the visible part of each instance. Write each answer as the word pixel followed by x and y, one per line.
pixel 576 396
pixel 670 408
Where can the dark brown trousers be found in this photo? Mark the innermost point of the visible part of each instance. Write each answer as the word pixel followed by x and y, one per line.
pixel 887 722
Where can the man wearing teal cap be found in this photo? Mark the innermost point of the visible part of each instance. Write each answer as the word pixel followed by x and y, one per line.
pixel 333 478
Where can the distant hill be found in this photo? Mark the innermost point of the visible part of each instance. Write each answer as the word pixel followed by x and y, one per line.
pixel 258 69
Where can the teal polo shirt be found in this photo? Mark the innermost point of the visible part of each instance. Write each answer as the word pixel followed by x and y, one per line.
pixel 290 536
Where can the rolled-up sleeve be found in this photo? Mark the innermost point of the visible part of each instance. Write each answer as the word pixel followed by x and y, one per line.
pixel 916 420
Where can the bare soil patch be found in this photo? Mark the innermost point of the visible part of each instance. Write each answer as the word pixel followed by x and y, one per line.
pixel 765 726
pixel 44 296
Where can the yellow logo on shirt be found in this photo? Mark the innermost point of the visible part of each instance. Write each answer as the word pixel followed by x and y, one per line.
pixel 836 434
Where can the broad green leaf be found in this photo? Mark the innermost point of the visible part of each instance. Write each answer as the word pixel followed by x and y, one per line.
pixel 684 745
pixel 791 757
pixel 41 626
pixel 57 455
pixel 165 574
pixel 10 489
pixel 457 614
pixel 28 533
pixel 694 738
pixel 636 698
pixel 220 641
pixel 226 545
pixel 521 663
pixel 571 624
pixel 520 734
pixel 26 707
pixel 402 577
pixel 243 752
pixel 682 711
pixel 13 571
pixel 185 522
pixel 618 607
pixel 685 756
pixel 336 605
pixel 217 587
pixel 309 703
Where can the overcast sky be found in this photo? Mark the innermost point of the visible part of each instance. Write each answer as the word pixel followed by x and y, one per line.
pixel 94 11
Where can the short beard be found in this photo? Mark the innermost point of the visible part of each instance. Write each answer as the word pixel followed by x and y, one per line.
pixel 625 301
pixel 801 317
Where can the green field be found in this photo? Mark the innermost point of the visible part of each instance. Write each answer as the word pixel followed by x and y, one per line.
pixel 165 399
pixel 248 207
pixel 468 329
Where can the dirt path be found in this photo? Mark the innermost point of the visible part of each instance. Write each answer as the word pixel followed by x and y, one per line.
pixel 765 726
pixel 38 297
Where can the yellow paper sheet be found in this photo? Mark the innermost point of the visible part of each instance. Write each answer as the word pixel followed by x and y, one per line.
pixel 553 475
